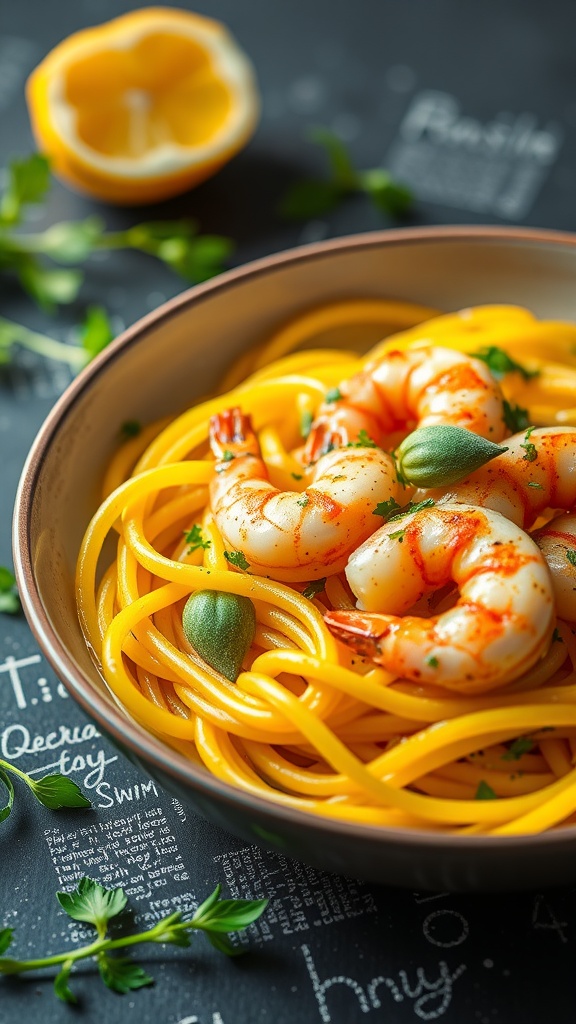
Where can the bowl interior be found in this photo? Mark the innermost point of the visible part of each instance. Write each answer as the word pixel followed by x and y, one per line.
pixel 179 353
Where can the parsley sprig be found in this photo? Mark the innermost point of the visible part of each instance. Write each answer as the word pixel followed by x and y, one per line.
pixel 500 363
pixel 315 197
pixel 390 510
pixel 53 791
pixel 93 904
pixel 94 334
pixel 46 263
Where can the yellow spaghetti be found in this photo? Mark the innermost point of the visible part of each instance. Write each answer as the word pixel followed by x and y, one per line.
pixel 308 723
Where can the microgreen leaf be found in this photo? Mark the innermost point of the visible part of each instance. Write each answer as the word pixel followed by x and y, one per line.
pixel 7 782
pixel 28 182
pixel 204 908
pixel 484 792
pixel 518 748
pixel 121 974
pixel 71 241
pixel 57 791
pixel 515 417
pixel 92 903
pixel 9 599
pixel 96 331
pixel 195 539
pixel 61 986
pixel 5 938
pixel 313 588
pixel 237 558
pixel 500 363
pixel 228 915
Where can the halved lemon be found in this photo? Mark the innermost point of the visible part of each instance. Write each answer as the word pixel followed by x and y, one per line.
pixel 145 106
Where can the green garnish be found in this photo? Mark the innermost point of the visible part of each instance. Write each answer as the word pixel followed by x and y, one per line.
pixel 571 556
pixel 314 587
pixel 386 508
pixel 315 197
pixel 556 638
pixel 484 792
pixel 237 559
pixel 500 363
pixel 297 476
pixel 333 395
pixel 535 485
pixel 130 428
pixel 227 456
pixel 95 905
pixel 9 598
pixel 529 447
pixel 515 417
pixel 93 334
pixel 306 420
pixel 220 627
pixel 195 539
pixel 398 535
pixel 523 745
pixel 432 661
pixel 53 791
pixel 364 441
pixel 303 501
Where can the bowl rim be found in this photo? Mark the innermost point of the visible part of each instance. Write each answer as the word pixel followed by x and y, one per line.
pixel 114 721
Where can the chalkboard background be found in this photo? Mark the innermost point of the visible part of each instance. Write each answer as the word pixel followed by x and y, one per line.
pixel 475 106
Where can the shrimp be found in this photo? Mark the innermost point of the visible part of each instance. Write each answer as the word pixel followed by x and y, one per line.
pixel 503 618
pixel 404 389
pixel 295 535
pixel 538 472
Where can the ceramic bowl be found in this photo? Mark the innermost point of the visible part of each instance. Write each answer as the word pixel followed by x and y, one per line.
pixel 159 366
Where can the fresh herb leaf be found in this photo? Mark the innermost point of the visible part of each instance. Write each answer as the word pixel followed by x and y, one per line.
pixel 333 395
pixel 571 556
pixel 9 599
pixel 195 539
pixel 405 510
pixel 432 661
pixel 398 535
pixel 500 363
pixel 364 441
pixel 316 197
pixel 58 791
pixel 386 508
pixel 228 915
pixel 121 974
pixel 535 485
pixel 71 241
pixel 297 476
pixel 7 783
pixel 92 903
pixel 237 559
pixel 313 588
pixel 49 288
pixel 484 792
pixel 96 331
pixel 28 182
pixel 529 447
pixel 515 417
pixel 522 745
pixel 303 501
pixel 5 939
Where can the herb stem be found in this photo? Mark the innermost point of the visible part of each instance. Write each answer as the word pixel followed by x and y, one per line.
pixel 44 345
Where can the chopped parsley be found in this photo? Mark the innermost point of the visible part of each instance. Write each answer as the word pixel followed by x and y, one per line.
pixel 484 792
pixel 195 539
pixel 432 661
pixel 364 441
pixel 532 483
pixel 398 535
pixel 303 501
pixel 227 456
pixel 500 363
pixel 314 587
pixel 571 556
pixel 237 558
pixel 523 745
pixel 529 447
pixel 297 476
pixel 391 511
pixel 515 417
pixel 333 395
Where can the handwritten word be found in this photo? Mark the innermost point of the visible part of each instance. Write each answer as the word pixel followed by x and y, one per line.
pixel 431 999
pixel 17 740
pixel 110 796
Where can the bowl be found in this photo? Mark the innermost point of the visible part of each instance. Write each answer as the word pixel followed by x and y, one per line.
pixel 161 365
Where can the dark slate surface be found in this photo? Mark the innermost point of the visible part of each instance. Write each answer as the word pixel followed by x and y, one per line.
pixel 475 106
